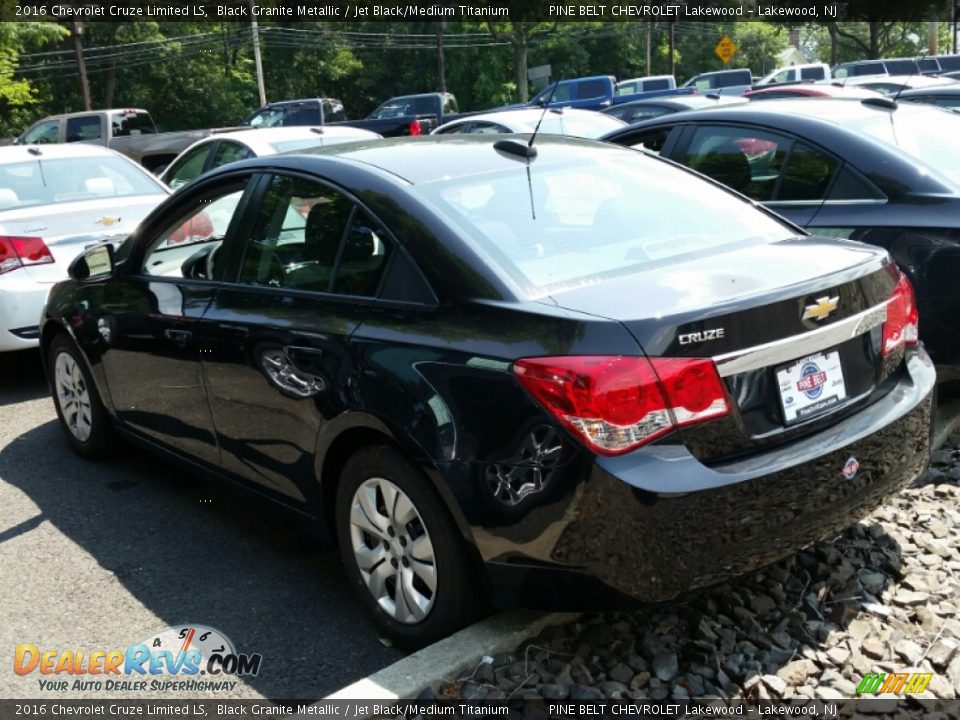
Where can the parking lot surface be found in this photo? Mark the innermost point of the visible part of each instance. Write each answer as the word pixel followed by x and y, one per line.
pixel 100 556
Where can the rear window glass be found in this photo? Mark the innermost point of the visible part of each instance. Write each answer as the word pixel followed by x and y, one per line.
pixel 43 182
pixel 589 219
pixel 949 63
pixel 135 123
pixel 930 137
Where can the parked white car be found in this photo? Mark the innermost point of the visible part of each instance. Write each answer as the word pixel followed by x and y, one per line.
pixel 222 148
pixel 556 121
pixel 807 72
pixel 56 200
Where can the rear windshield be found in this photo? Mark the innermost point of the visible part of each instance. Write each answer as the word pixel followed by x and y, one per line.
pixel 43 182
pixel 132 123
pixel 582 126
pixel 930 137
pixel 594 218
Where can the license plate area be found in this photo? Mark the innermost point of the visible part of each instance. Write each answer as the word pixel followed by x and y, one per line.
pixel 810 386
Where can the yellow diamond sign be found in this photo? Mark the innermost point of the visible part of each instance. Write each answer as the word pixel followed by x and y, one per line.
pixel 725 49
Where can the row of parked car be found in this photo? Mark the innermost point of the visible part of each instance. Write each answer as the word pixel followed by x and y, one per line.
pixel 518 369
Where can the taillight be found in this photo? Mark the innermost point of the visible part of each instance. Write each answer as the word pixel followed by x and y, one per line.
pixel 415 128
pixel 900 328
pixel 19 251
pixel 616 404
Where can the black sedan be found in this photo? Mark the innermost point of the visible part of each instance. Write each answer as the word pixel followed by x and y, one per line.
pixel 638 110
pixel 544 377
pixel 945 96
pixel 875 170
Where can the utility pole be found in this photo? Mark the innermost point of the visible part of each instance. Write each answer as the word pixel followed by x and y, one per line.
pixel 648 71
pixel 441 64
pixel 256 56
pixel 933 31
pixel 78 46
pixel 671 71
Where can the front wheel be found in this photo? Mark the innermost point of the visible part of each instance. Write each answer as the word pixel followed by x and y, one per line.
pixel 83 418
pixel 402 551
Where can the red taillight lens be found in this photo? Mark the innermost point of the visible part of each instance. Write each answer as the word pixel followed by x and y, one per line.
pixel 900 328
pixel 616 404
pixel 19 251
pixel 415 128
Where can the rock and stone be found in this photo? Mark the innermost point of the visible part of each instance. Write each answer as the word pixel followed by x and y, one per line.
pixel 882 596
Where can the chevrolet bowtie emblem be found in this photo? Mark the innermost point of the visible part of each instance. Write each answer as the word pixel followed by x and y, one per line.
pixel 821 308
pixel 108 220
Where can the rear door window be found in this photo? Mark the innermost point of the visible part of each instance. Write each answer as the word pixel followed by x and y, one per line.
pixel 85 127
pixel 228 152
pixel 744 159
pixel 814 73
pixel 309 236
pixel 807 175
pixel 189 166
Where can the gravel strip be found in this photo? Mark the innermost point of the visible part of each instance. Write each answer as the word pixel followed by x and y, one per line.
pixel 881 597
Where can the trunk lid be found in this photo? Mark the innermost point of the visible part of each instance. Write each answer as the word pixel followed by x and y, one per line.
pixel 793 327
pixel 69 227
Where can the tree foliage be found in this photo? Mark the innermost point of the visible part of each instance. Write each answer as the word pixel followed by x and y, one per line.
pixel 201 74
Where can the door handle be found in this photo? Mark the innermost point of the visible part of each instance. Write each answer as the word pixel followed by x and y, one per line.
pixel 179 337
pixel 284 374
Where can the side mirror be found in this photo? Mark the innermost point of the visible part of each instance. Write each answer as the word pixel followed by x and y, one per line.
pixel 95 263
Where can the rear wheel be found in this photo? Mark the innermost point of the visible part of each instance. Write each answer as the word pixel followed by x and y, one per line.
pixel 83 418
pixel 402 551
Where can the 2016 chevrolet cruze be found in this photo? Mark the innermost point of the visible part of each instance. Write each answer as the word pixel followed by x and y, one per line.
pixel 550 377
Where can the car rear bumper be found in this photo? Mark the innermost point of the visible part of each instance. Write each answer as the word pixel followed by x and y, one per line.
pixel 21 304
pixel 657 523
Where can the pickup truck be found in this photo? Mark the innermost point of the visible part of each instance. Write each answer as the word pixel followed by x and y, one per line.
pixel 403 115
pixel 602 91
pixel 129 131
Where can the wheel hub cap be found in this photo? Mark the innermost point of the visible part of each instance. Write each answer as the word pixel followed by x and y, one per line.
pixel 393 550
pixel 73 397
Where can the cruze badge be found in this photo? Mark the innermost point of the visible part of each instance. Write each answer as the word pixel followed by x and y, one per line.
pixel 701 336
pixel 821 308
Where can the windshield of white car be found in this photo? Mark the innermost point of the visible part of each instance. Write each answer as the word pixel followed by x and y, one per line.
pixel 55 180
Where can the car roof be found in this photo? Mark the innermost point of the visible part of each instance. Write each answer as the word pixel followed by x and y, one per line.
pixel 685 101
pixel 432 158
pixel 949 89
pixel 20 153
pixel 522 119
pixel 829 89
pixel 836 111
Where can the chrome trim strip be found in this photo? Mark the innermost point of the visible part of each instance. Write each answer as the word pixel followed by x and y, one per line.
pixel 798 346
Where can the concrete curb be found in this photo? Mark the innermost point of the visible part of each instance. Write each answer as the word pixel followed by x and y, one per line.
pixel 407 678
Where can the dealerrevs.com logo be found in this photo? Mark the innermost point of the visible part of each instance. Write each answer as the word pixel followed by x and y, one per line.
pixel 178 658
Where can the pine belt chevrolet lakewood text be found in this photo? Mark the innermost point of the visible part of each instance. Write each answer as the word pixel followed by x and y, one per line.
pixel 557 377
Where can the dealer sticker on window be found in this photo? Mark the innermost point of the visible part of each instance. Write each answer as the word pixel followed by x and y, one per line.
pixel 810 386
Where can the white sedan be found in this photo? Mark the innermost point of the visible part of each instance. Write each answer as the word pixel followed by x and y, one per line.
pixel 222 148
pixel 556 121
pixel 55 200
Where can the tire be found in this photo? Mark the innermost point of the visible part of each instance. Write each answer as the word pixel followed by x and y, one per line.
pixel 83 418
pixel 372 479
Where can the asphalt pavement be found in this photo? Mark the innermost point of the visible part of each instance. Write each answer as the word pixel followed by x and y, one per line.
pixel 99 556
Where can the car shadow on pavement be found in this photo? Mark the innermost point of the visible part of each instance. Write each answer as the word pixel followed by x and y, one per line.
pixel 21 377
pixel 193 552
